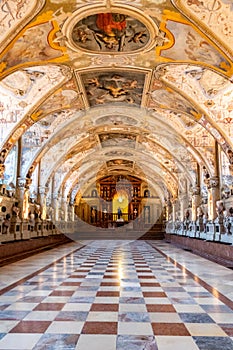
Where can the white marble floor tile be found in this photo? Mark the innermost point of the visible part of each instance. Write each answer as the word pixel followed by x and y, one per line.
pixel 133 328
pixel 19 341
pixel 96 342
pixel 66 327
pixel 176 343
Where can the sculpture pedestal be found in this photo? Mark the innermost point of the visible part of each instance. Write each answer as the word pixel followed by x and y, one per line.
pixel 15 228
pixel 25 230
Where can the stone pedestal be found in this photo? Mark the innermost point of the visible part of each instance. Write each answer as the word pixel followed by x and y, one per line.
pixel 38 227
pixel 210 232
pixel 199 227
pixel 25 230
pixel 192 232
pixel 15 228
pixel 44 228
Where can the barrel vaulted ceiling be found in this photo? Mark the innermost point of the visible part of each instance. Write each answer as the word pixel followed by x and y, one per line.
pixel 92 88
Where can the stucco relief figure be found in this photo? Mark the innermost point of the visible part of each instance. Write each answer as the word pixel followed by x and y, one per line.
pixel 31 221
pixel 200 212
pixel 15 210
pixel 220 210
pixel 6 224
pixel 28 176
pixel 37 211
pixel 228 222
pixel 110 32
pixel 200 218
pixel 206 175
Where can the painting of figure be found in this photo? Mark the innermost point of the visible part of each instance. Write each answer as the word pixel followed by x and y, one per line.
pixel 112 86
pixel 120 162
pixel 118 140
pixel 110 32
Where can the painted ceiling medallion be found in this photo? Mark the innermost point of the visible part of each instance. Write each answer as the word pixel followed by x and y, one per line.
pixel 110 32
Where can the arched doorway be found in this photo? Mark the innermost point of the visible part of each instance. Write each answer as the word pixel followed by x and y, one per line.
pixel 120 202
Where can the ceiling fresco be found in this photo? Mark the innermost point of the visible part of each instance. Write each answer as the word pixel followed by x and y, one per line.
pixel 215 17
pixel 188 45
pixel 13 15
pixel 138 87
pixel 110 32
pixel 113 87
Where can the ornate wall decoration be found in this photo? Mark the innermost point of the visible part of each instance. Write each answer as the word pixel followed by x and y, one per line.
pixel 40 133
pixel 33 46
pixel 64 98
pixel 10 169
pixel 190 80
pixel 23 90
pixel 12 16
pixel 54 155
pixel 168 99
pixel 187 44
pixel 215 17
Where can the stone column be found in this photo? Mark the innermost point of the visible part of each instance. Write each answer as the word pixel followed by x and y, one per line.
pixel 23 204
pixel 183 205
pixel 173 210
pixel 213 197
pixel 55 200
pixel 42 191
pixel 213 229
pixel 72 212
pixel 196 200
pixel 71 209
pixel 22 199
pixel 64 206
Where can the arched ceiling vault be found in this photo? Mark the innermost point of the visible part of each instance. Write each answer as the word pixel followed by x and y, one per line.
pixel 132 87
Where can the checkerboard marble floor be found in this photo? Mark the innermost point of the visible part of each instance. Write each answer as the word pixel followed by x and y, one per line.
pixel 122 295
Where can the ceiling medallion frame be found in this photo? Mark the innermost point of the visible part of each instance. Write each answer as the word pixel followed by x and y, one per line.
pixel 126 11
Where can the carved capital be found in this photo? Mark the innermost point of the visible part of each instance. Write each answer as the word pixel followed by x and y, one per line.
pixel 28 183
pixel 21 182
pixel 42 190
pixel 213 182
pixel 196 190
